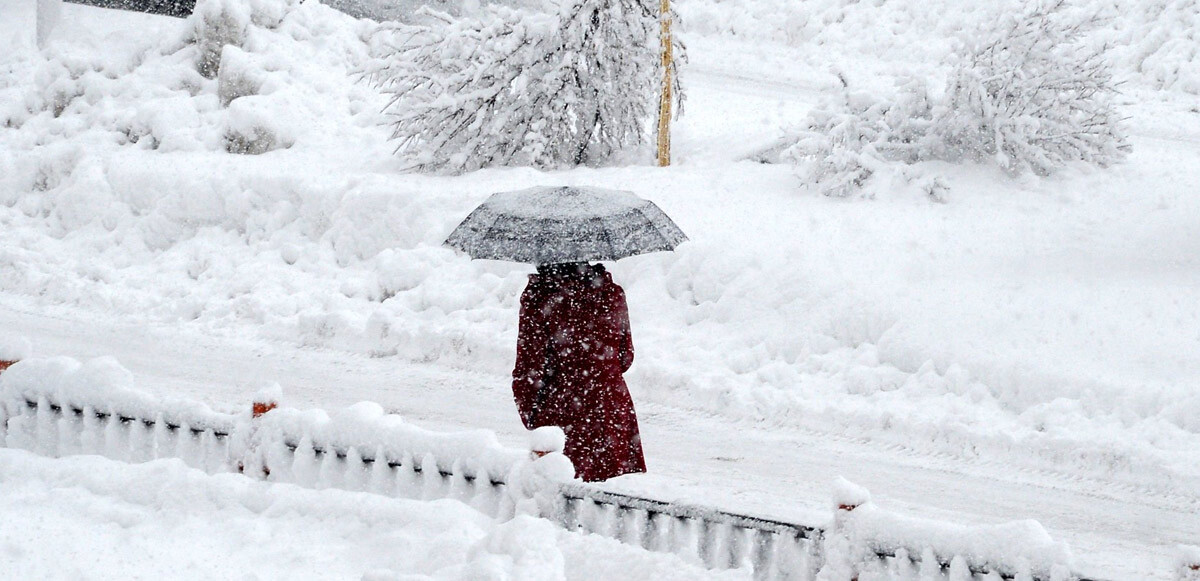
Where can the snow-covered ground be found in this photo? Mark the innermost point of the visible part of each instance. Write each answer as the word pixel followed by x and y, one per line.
pixel 1028 349
pixel 87 517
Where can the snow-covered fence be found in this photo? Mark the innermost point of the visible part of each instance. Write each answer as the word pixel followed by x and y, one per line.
pixel 861 542
pixel 60 407
pixel 772 549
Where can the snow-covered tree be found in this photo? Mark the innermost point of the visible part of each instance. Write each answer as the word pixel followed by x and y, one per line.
pixel 1030 93
pixel 520 88
pixel 1033 95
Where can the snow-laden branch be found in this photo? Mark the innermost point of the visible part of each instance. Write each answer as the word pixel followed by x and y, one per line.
pixel 518 88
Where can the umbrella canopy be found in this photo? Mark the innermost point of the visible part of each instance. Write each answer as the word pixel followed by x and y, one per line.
pixel 551 225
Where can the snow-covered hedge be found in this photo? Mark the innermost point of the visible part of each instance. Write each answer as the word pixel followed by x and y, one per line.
pixel 518 88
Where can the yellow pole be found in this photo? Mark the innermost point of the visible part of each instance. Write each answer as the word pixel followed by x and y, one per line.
pixel 664 104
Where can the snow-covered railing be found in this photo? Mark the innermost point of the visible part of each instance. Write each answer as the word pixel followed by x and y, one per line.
pixel 772 549
pixel 60 407
pixel 861 541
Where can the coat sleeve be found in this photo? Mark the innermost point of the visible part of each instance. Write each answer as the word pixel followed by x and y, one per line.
pixel 532 342
pixel 620 310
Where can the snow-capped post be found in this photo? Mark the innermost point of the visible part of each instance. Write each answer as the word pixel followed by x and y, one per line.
pixel 12 351
pixel 664 103
pixel 533 486
pixel 842 549
pixel 1188 563
pixel 247 446
pixel 546 440
pixel 264 404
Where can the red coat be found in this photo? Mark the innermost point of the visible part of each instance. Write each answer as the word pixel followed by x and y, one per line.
pixel 573 345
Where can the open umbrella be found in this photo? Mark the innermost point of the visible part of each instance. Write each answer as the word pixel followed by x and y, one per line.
pixel 551 225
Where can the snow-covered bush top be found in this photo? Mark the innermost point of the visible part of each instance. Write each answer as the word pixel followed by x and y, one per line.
pixel 1026 93
pixel 513 87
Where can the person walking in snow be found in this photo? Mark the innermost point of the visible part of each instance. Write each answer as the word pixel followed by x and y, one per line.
pixel 573 344
pixel 573 347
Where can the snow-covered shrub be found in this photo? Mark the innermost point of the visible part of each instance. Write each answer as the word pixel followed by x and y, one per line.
pixel 844 143
pixel 1033 96
pixel 1028 94
pixel 520 88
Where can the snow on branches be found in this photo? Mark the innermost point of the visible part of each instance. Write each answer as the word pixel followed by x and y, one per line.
pixel 1029 93
pixel 518 88
pixel 1034 95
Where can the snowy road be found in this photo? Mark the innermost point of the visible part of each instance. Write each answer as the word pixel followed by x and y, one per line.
pixel 1118 531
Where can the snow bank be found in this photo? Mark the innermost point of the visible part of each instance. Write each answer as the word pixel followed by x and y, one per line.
pixel 163 519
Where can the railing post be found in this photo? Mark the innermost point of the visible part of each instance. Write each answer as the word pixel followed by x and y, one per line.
pixel 1188 564
pixel 12 351
pixel 5 362
pixel 546 440
pixel 253 454
pixel 535 488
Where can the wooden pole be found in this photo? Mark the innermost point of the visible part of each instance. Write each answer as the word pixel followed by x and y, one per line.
pixel 664 104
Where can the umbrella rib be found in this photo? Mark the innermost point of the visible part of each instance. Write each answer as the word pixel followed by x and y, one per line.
pixel 654 227
pixel 604 234
pixel 493 228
